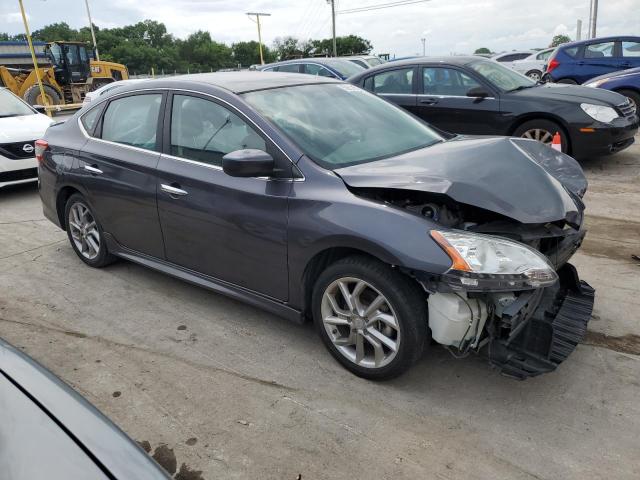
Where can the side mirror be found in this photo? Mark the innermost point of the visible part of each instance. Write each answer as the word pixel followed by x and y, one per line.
pixel 40 109
pixel 478 92
pixel 248 163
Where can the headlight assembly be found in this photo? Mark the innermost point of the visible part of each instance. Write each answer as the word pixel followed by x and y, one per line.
pixel 485 262
pixel 599 112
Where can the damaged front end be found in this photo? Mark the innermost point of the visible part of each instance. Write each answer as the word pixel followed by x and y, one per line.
pixel 509 227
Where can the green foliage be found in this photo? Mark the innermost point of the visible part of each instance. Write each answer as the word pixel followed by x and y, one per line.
pixel 483 50
pixel 290 47
pixel 147 44
pixel 559 40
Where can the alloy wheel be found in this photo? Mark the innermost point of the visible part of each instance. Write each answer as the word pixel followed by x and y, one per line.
pixel 539 134
pixel 534 76
pixel 84 231
pixel 360 322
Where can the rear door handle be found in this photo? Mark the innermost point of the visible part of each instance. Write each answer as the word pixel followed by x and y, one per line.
pixel 173 190
pixel 93 169
pixel 429 101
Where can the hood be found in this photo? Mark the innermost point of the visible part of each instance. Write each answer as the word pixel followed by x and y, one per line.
pixel 616 74
pixel 23 128
pixel 520 179
pixel 573 94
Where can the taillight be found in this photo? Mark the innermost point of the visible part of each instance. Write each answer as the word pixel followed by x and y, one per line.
pixel 553 63
pixel 41 147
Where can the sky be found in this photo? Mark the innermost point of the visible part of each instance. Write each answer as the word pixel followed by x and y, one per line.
pixel 449 26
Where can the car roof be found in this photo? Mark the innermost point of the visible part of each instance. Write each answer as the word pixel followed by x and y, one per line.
pixel 578 43
pixel 236 82
pixel 514 52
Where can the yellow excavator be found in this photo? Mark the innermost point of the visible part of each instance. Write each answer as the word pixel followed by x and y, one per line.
pixel 67 70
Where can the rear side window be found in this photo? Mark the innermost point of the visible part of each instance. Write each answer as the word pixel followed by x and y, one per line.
pixel 313 69
pixel 288 68
pixel 394 81
pixel 133 120
pixel 631 49
pixel 90 118
pixel 204 131
pixel 544 55
pixel 599 50
pixel 572 51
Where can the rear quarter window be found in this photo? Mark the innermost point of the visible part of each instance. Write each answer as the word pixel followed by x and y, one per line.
pixel 571 51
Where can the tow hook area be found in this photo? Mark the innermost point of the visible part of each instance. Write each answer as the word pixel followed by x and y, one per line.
pixel 553 330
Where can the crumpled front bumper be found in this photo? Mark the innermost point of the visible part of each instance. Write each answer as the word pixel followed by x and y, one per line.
pixel 545 329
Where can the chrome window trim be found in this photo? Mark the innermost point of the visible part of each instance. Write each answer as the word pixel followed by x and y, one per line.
pixel 195 162
pixel 329 69
pixel 453 96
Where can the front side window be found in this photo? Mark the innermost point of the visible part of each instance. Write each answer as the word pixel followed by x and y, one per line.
pixel 359 127
pixel 631 49
pixel 133 120
pixel 204 131
pixel 313 69
pixel 394 81
pixel 446 81
pixel 72 54
pixel 598 50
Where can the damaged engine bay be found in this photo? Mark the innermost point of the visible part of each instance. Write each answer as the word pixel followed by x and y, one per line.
pixel 525 329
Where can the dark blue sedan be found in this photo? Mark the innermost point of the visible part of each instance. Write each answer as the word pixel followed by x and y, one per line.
pixel 339 68
pixel 626 82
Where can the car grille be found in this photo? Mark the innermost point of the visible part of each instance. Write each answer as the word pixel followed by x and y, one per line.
pixel 627 108
pixel 15 151
pixel 16 175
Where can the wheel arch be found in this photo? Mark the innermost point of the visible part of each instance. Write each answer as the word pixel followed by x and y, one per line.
pixel 62 197
pixel 542 116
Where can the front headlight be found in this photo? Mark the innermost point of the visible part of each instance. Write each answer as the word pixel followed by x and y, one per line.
pixel 599 112
pixel 485 262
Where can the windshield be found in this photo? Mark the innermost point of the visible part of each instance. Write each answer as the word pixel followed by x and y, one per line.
pixel 12 106
pixel 502 77
pixel 338 125
pixel 345 67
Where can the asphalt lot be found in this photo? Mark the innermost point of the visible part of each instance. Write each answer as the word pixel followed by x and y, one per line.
pixel 217 389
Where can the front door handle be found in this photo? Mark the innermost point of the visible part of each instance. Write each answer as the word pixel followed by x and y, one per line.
pixel 93 169
pixel 429 101
pixel 173 190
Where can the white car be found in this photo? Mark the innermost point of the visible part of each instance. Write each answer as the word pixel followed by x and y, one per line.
pixel 365 61
pixel 533 65
pixel 20 126
pixel 507 58
pixel 108 88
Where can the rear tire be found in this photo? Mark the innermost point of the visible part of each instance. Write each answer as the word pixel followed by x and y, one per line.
pixel 33 96
pixel 542 130
pixel 634 96
pixel 385 332
pixel 85 233
pixel 534 75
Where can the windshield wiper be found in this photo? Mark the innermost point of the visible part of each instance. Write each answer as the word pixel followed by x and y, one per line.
pixel 521 87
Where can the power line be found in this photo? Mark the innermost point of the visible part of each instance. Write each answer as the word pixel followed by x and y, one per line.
pixel 380 6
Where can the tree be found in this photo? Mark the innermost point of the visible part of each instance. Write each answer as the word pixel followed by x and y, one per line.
pixel 482 50
pixel 287 47
pixel 56 32
pixel 559 40
pixel 248 53
pixel 349 45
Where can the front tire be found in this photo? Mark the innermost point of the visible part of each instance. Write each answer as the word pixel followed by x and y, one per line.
pixel 85 233
pixel 542 130
pixel 33 96
pixel 371 318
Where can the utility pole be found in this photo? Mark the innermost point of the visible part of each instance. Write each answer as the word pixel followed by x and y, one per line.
pixel 93 35
pixel 579 30
pixel 593 18
pixel 258 15
pixel 43 97
pixel 423 46
pixel 333 25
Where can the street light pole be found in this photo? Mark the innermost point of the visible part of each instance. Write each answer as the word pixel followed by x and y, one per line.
pixel 333 26
pixel 593 18
pixel 258 15
pixel 423 46
pixel 93 35
pixel 43 97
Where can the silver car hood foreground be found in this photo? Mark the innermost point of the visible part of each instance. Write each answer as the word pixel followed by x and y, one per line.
pixel 520 179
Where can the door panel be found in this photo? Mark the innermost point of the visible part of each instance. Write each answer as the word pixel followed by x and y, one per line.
pixel 444 104
pixel 598 59
pixel 230 228
pixel 120 179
